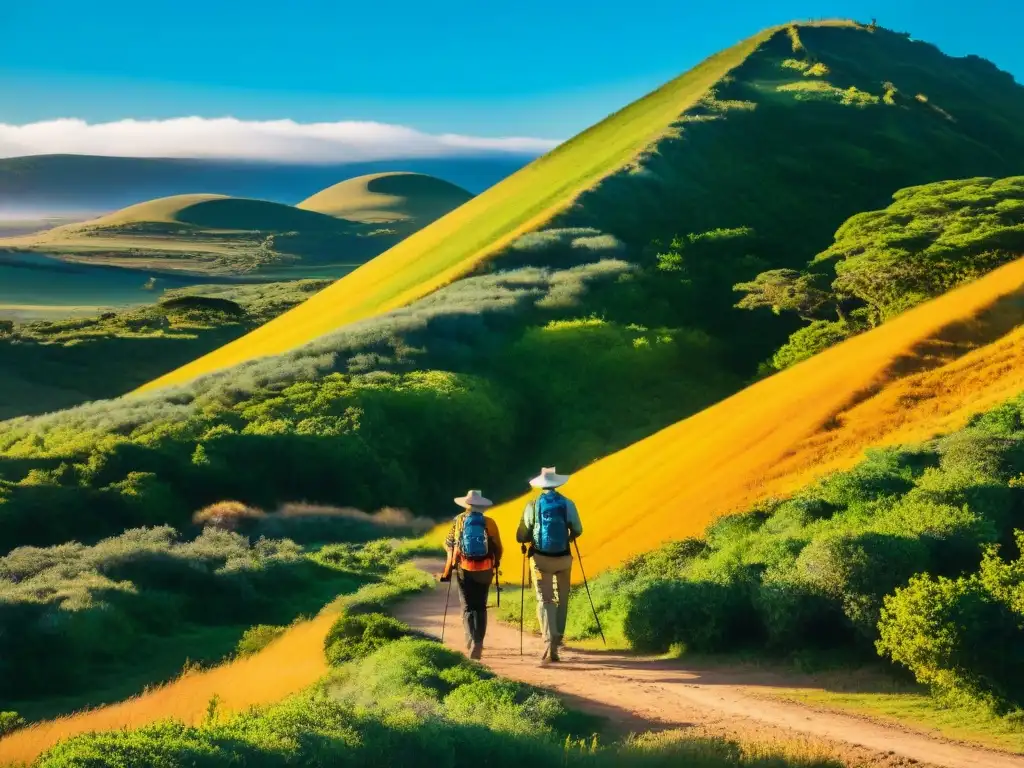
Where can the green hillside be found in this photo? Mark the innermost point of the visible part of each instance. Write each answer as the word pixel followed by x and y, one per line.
pixel 50 365
pixel 621 305
pixel 211 234
pixel 407 199
pixel 754 158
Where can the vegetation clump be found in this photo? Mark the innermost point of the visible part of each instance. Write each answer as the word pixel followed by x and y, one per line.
pixel 78 617
pixel 902 555
pixel 413 702
pixel 931 239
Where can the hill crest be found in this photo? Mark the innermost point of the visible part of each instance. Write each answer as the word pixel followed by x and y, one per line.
pixel 678 161
pixel 397 196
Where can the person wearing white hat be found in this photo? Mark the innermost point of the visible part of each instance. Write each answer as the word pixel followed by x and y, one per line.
pixel 474 553
pixel 548 527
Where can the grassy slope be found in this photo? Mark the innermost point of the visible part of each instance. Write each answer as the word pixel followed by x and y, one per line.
pixel 384 197
pixel 217 212
pixel 60 364
pixel 739 142
pixel 199 232
pixel 293 662
pixel 885 386
pixel 452 247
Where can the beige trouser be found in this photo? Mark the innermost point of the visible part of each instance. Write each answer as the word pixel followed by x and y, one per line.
pixel 550 577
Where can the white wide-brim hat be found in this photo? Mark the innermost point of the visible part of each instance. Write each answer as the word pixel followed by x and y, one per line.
pixel 548 478
pixel 473 499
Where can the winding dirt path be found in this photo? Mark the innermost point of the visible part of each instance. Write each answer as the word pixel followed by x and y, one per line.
pixel 641 694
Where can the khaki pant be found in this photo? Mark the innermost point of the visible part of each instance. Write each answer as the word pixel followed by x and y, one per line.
pixel 551 580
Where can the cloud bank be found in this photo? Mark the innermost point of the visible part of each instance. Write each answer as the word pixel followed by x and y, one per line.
pixel 229 138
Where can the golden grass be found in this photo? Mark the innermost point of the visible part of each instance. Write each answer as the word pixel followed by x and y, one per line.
pixel 457 243
pixel 286 666
pixel 165 210
pixel 383 197
pixel 908 380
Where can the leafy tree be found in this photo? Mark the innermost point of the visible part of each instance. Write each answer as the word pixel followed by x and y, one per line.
pixel 784 290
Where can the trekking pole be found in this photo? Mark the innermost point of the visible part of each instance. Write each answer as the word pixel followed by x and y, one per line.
pixel 447 599
pixel 522 603
pixel 497 585
pixel 583 573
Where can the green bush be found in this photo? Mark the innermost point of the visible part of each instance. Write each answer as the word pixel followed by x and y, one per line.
pixel 932 238
pixel 354 637
pixel 255 639
pixel 77 617
pixel 818 571
pixel 964 637
pixel 807 342
pixel 10 721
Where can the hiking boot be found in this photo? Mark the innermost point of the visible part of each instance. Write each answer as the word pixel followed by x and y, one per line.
pixel 553 654
pixel 476 652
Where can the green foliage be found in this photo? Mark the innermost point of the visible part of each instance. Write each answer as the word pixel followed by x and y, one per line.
pixel 356 636
pixel 10 721
pixel 62 363
pixel 810 340
pixel 255 639
pixel 819 570
pixel 783 290
pixel 412 702
pixel 963 637
pixel 75 616
pixel 932 238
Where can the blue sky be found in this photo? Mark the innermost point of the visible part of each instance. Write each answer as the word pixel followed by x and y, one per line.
pixel 488 69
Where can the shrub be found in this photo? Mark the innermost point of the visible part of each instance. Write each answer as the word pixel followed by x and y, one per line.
pixel 955 637
pixel 355 637
pixel 809 341
pixel 228 515
pixel 257 638
pixel 10 721
pixel 505 706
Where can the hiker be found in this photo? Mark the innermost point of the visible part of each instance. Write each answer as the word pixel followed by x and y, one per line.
pixel 549 525
pixel 474 553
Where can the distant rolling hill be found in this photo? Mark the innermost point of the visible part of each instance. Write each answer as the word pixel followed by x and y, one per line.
pixel 747 162
pixel 405 198
pixel 45 185
pixel 202 233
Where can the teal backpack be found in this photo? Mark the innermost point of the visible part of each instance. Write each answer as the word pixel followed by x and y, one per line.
pixel 551 524
pixel 473 542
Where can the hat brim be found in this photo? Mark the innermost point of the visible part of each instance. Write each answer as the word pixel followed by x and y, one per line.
pixel 554 481
pixel 481 502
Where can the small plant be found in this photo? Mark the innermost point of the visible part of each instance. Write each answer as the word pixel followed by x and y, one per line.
pixel 212 713
pixel 355 637
pixel 257 638
pixel 10 721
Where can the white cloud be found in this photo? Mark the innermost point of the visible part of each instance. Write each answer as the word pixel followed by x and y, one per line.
pixel 229 138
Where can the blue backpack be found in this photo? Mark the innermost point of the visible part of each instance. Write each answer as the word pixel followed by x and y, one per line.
pixel 473 542
pixel 551 524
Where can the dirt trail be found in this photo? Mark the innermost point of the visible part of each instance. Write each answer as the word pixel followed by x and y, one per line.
pixel 644 694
